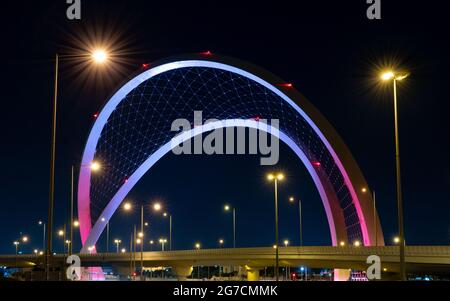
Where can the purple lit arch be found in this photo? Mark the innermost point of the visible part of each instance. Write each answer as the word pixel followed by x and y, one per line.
pixel 332 197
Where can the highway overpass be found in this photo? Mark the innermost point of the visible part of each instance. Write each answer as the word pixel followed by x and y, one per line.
pixel 429 259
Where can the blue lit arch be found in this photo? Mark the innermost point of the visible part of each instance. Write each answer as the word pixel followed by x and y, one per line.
pixel 132 132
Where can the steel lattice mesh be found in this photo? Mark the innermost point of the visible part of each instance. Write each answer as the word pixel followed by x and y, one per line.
pixel 141 124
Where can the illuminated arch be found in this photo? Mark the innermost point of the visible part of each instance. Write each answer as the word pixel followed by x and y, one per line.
pixel 334 171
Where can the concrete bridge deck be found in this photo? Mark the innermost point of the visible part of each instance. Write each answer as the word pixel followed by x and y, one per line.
pixel 418 258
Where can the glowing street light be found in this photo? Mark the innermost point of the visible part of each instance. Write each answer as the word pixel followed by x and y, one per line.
pixel 61 233
pixel 357 243
pixel 127 206
pixel 166 214
pixel 275 178
pixel 95 166
pixel 25 239
pixel 292 201
pixel 76 224
pixel 197 246
pixel 123 250
pixel 117 242
pixel 342 243
pixel 162 241
pixel 228 208
pixel 286 242
pixel 395 77
pixel 396 240
pixel 221 242
pixel 99 56
pixel 157 206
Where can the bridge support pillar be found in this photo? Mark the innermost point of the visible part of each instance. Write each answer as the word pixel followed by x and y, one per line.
pixel 182 272
pixel 252 273
pixel 341 274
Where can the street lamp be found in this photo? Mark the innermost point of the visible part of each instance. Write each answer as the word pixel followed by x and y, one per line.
pixel 98 56
pixel 127 206
pixel 151 244
pixel 286 242
pixel 117 242
pixel 228 208
pixel 221 242
pixel 275 178
pixel 41 223
pixel 357 243
pixel 62 234
pixel 292 201
pixel 197 246
pixel 396 240
pixel 342 243
pixel 157 206
pixel 395 77
pixel 165 214
pixel 162 241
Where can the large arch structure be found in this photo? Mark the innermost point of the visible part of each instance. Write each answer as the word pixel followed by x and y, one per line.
pixel 132 132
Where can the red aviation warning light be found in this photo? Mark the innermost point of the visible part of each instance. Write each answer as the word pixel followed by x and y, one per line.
pixel 286 85
pixel 207 53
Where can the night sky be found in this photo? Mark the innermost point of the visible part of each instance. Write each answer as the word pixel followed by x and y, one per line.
pixel 330 51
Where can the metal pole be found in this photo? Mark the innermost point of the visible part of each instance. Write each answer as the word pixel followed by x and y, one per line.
pixel 170 232
pixel 142 242
pixel 43 237
pixel 134 249
pixel 276 230
pixel 300 219
pixel 64 241
pixel 17 246
pixel 399 189
pixel 71 211
pixel 234 227
pixel 107 237
pixel 375 219
pixel 51 199
pixel 131 252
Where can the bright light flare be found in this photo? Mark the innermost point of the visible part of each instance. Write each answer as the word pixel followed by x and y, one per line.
pixel 99 56
pixel 388 75
pixel 157 207
pixel 127 206
pixel 95 166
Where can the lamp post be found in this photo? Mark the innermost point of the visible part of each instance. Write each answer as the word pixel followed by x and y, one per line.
pixel 151 245
pixel 292 200
pixel 142 243
pixel 117 242
pixel 165 214
pixel 162 241
pixel 391 76
pixel 228 208
pixel 41 223
pixel 275 179
pixel 99 56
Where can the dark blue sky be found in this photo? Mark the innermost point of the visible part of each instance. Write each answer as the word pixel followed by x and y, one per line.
pixel 329 51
